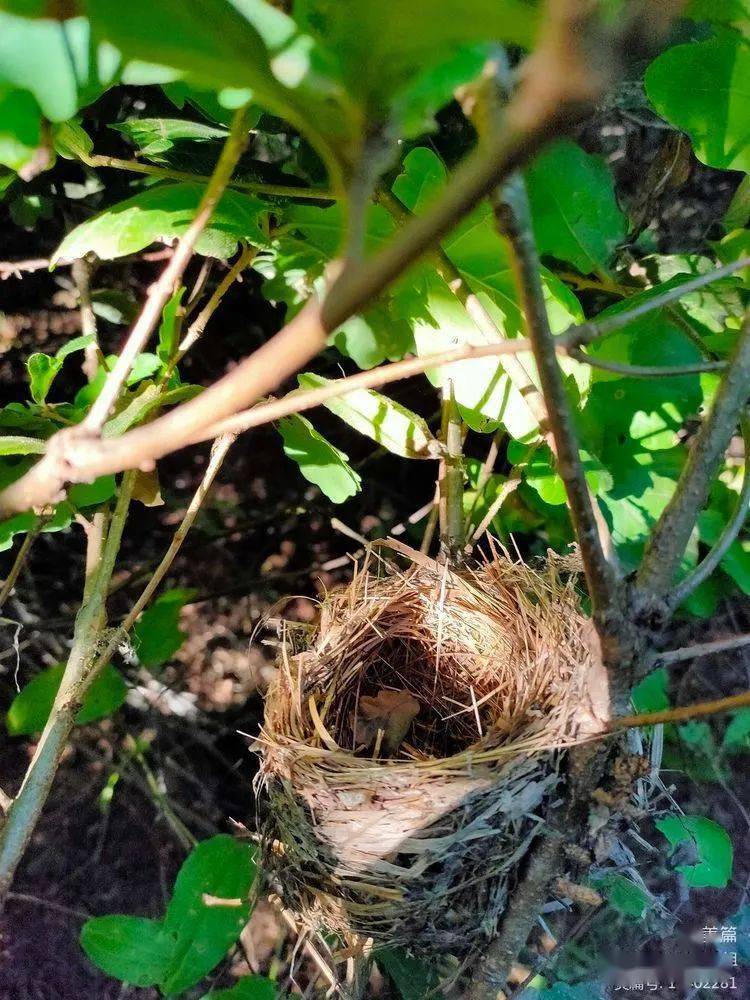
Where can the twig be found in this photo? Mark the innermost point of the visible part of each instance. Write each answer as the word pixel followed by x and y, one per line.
pixel 164 287
pixel 81 272
pixel 514 221
pixel 451 480
pixel 701 649
pixel 647 371
pixel 732 529
pixel 28 803
pixel 256 187
pixel 15 268
pixel 681 714
pixel 18 563
pixel 196 328
pixel 672 532
pixel 218 454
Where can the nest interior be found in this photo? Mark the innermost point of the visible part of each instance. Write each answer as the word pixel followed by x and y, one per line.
pixel 411 745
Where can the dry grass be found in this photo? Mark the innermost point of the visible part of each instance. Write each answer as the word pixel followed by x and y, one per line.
pixel 420 847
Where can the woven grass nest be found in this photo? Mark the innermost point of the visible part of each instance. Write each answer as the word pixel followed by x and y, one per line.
pixel 412 743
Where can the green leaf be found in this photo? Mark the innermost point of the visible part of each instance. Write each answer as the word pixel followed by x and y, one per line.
pixel 575 212
pixel 157 635
pixel 154 136
pixel 703 88
pixel 737 734
pixel 319 462
pixel 133 949
pixel 42 369
pixel 59 10
pixel 20 128
pixel 91 494
pixel 169 330
pixel 721 12
pixel 71 141
pixel 650 695
pixel 385 421
pixel 539 472
pixel 624 896
pixel 16 444
pixel 247 988
pixel 412 978
pixel 201 931
pixel 709 840
pixel 161 214
pixel 30 709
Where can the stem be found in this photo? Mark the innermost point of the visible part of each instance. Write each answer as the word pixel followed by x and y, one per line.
pixel 672 532
pixel 681 714
pixel 218 454
pixel 81 272
pixel 701 649
pixel 702 572
pixel 196 328
pixel 514 221
pixel 647 371
pixel 161 291
pixel 27 806
pixel 18 563
pixel 273 190
pixel 451 481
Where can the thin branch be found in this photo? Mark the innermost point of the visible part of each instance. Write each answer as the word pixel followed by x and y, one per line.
pixel 29 802
pixel 514 221
pixel 273 190
pixel 218 454
pixel 164 287
pixel 647 371
pixel 196 328
pixel 732 529
pixel 81 272
pixel 672 532
pixel 18 563
pixel 681 714
pixel 451 480
pixel 701 649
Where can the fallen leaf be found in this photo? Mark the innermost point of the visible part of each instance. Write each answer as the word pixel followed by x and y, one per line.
pixel 390 711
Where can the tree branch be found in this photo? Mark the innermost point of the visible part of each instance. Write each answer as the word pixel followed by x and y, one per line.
pixel 514 221
pixel 672 532
pixel 732 529
pixel 681 714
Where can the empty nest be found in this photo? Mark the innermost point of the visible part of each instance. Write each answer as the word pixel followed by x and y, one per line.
pixel 411 746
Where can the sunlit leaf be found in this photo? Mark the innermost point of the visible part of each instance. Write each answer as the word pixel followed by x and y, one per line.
pixel 30 709
pixel 711 843
pixel 319 462
pixel 157 634
pixel 134 949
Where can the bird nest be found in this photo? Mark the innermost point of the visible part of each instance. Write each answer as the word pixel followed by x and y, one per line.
pixel 412 742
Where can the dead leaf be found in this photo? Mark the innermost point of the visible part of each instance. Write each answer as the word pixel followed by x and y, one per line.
pixel 390 711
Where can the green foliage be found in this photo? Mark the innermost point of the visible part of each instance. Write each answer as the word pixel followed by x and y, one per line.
pixel 385 421
pixel 576 215
pixel 709 842
pixel 208 909
pixel 319 462
pixel 154 136
pixel 43 368
pixel 163 213
pixel 413 978
pixel 29 710
pixel 247 988
pixel 704 89
pixel 624 896
pixel 157 634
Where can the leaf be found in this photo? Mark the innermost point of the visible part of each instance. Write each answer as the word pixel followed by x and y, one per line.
pixel 161 214
pixel 42 369
pixel 575 213
pixel 133 949
pixel 157 635
pixel 319 462
pixel 389 712
pixel 246 988
pixel 171 323
pixel 30 709
pixel 385 421
pixel 91 494
pixel 153 136
pixel 386 61
pixel 20 128
pixel 208 909
pixel 712 844
pixel 16 444
pixel 412 978
pixel 703 88
pixel 650 695
pixel 59 10
pixel 737 734
pixel 624 896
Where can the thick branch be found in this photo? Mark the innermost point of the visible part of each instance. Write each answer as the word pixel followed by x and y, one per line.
pixel 514 220
pixel 670 537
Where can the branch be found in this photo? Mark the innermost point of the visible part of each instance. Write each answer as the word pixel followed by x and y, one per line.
pixel 701 649
pixel 647 371
pixel 672 532
pixel 29 802
pixel 682 714
pixel 451 480
pixel 514 221
pixel 732 529
pixel 196 328
pixel 164 287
